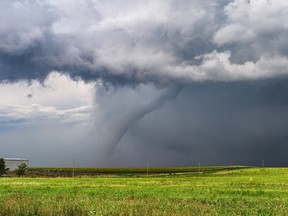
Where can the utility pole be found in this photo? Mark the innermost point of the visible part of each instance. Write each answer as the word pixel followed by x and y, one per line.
pixel 73 169
pixel 263 163
pixel 147 167
pixel 199 167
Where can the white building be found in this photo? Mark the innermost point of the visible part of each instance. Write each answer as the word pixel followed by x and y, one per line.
pixel 12 163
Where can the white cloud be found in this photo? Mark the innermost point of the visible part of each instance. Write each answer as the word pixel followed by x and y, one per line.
pixel 23 23
pixel 37 113
pixel 257 24
pixel 59 99
pixel 57 90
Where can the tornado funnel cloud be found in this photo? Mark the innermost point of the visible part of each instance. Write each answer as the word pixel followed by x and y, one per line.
pixel 119 127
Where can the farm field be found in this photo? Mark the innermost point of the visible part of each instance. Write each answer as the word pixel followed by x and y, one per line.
pixel 213 191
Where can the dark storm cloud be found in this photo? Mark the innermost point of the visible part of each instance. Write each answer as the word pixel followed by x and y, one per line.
pixel 143 41
pixel 214 123
pixel 229 56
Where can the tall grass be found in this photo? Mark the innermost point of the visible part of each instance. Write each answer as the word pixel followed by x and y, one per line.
pixel 227 192
pixel 85 205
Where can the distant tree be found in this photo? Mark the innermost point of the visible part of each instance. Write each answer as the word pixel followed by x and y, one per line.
pixel 3 169
pixel 21 170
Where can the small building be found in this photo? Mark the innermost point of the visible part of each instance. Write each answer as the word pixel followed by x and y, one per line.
pixel 12 163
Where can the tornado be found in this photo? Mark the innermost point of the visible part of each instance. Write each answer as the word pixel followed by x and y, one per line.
pixel 118 128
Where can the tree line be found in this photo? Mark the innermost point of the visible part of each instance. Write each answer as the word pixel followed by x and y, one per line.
pixel 21 170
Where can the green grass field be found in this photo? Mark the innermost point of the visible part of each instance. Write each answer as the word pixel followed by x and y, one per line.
pixel 216 191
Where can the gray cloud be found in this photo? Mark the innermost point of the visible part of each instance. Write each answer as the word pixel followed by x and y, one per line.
pixel 231 56
pixel 212 123
pixel 11 114
pixel 130 41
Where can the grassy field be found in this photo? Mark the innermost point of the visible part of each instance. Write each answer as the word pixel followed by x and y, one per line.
pixel 230 191
pixel 67 172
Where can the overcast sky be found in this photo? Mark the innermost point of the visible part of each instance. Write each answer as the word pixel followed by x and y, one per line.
pixel 122 82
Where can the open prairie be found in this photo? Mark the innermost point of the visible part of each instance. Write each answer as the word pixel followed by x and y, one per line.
pixel 212 191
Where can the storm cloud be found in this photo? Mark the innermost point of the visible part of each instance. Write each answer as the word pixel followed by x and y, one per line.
pixel 144 41
pixel 228 56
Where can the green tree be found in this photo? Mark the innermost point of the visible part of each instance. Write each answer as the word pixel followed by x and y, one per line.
pixel 3 169
pixel 22 169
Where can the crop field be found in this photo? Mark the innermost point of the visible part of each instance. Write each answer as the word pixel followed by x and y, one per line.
pixel 213 191
pixel 66 172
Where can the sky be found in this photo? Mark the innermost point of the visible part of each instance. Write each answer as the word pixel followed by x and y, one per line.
pixel 122 83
